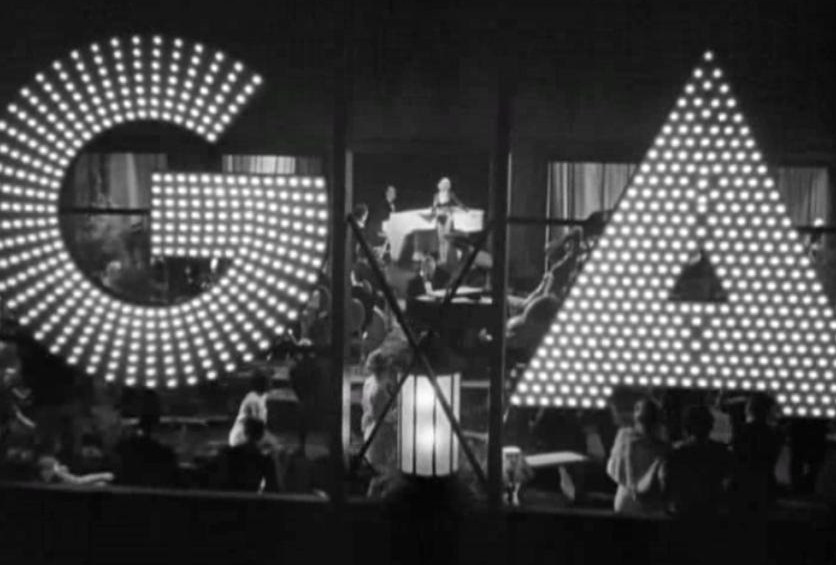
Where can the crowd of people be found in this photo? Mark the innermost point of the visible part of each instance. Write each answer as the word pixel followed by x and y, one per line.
pixel 698 475
pixel 653 474
pixel 138 458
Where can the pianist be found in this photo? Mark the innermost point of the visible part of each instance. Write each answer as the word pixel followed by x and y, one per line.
pixel 428 278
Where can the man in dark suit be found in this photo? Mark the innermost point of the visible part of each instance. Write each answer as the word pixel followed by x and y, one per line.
pixel 141 459
pixel 379 214
pixel 246 467
pixel 429 277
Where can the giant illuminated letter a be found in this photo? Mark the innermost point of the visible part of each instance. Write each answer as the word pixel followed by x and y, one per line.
pixel 702 188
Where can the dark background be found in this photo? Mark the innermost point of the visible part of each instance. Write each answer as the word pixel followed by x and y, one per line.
pixel 415 176
pixel 594 79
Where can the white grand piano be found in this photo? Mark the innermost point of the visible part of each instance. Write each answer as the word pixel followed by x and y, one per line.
pixel 401 224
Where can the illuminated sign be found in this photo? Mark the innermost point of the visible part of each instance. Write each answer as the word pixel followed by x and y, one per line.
pixel 702 190
pixel 273 228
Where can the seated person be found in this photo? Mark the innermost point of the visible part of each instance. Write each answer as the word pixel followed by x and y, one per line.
pixel 245 466
pixel 525 332
pixel 559 249
pixel 312 325
pixel 254 405
pixel 557 281
pixel 51 470
pixel 92 458
pixel 755 446
pixel 429 277
pixel 361 214
pixel 362 272
pixel 308 377
pixel 141 459
pixel 18 457
pixel 697 469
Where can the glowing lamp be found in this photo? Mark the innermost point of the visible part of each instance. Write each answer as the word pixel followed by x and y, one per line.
pixel 428 447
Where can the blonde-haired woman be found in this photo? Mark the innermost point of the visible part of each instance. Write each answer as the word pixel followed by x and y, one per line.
pixel 444 202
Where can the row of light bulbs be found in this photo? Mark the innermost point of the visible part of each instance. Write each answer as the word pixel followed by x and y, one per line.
pixel 98 88
pixel 703 181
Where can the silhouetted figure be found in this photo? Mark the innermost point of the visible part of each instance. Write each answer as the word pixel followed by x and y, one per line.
pixel 92 457
pixel 697 468
pixel 141 459
pixel 245 467
pixel 378 215
pixel 360 212
pixel 808 447
pixel 308 376
pixel 756 446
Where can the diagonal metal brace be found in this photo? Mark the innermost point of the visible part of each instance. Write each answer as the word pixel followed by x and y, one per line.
pixel 420 357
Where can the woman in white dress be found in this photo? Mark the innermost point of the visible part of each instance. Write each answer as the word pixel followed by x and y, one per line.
pixel 444 202
pixel 635 462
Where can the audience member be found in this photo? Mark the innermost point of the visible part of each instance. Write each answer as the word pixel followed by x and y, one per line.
pixel 808 448
pixel 362 273
pixel 429 277
pixel 695 474
pixel 365 293
pixel 562 255
pixel 308 375
pixel 245 467
pixel 92 457
pixel 18 461
pixel 313 321
pixel 141 459
pixel 756 446
pixel 14 395
pixel 378 390
pixel 52 471
pixel 558 279
pixel 525 332
pixel 254 405
pixel 635 462
pixel 361 214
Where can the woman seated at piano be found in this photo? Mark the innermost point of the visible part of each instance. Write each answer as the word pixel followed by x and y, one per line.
pixel 444 202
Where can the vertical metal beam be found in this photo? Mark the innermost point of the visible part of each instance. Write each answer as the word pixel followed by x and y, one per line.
pixel 340 203
pixel 499 196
